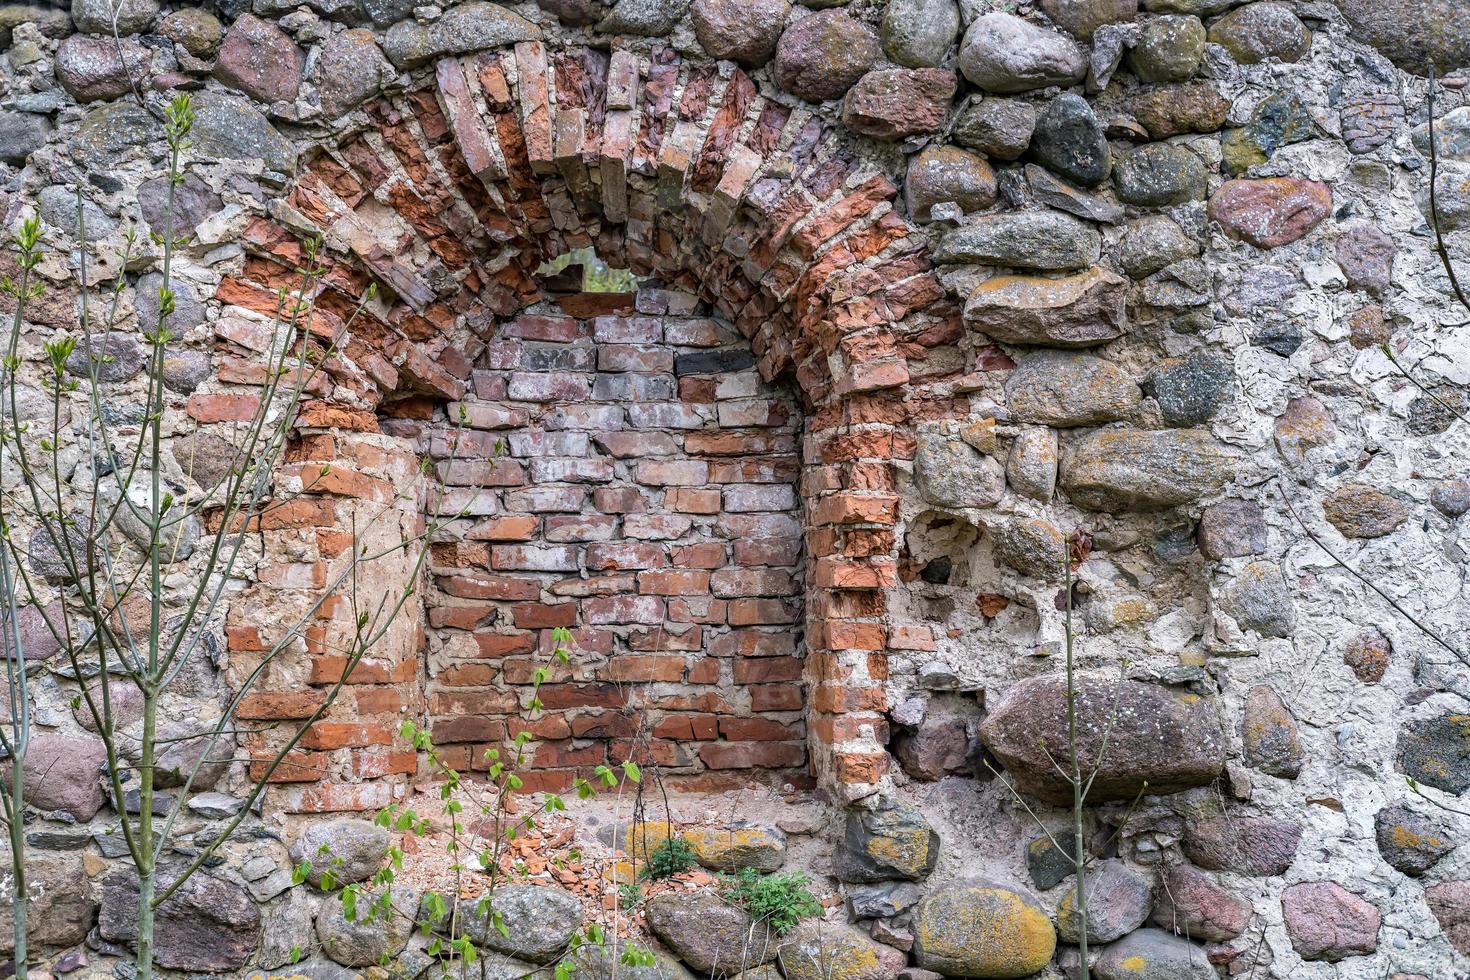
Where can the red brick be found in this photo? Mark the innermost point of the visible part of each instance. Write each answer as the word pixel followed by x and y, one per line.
pixel 759 730
pixel 766 670
pixel 604 610
pixel 776 697
pixel 674 583
pixel 760 612
pixel 222 408
pixel 636 669
pixel 336 735
pixel 733 583
pixel 690 501
pixel 538 615
pixel 708 554
pixel 748 755
pixel 498 587
pixel 518 527
pixel 682 472
pixel 275 706
pixel 505 644
pixel 623 556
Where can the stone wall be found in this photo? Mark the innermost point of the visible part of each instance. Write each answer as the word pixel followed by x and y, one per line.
pixel 926 286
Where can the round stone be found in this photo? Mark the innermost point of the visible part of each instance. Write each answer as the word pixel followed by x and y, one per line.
pixel 645 18
pixel 1152 954
pixel 1189 390
pixel 1129 470
pixel 350 850
pixel 1082 18
pixel 1258 31
pixel 96 68
pixel 1046 240
pixel 196 31
pixel 540 921
pixel 352 71
pixel 114 356
pixel 743 31
pixel 919 33
pixel 1169 49
pixel 364 941
pixel 1191 904
pixel 982 929
pixel 1232 529
pixel 711 936
pixel 1118 901
pixel 1268 734
pixel 1259 600
pixel 97 16
pixel 62 774
pixel 1359 511
pixel 259 59
pixel 1172 110
pixel 1271 212
pixel 1152 243
pixel 21 134
pixel 1327 922
pixel 1436 752
pixel 1408 841
pixel 821 56
pixel 999 128
pixel 188 310
pixel 1160 175
pixel 1003 53
pixel 941 174
pixel 1159 736
pixel 1062 390
pixel 1032 546
pixel 836 951
pixel 1451 497
pixel 185 370
pixel 1259 847
pixel 1365 254
pixel 1367 655
pixel 1069 141
pixel 1031 469
pixel 1440 34
pixel 575 13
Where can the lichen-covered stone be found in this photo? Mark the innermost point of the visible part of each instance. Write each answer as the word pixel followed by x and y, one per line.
pixel 365 941
pixel 940 174
pixel 95 68
pixel 1168 739
pixel 821 56
pixel 1192 905
pixel 1258 31
pixel 230 128
pixel 919 33
pixel 713 937
pixel 259 59
pixel 1159 175
pixel 1118 901
pixel 604 961
pixel 982 929
pixel 1004 54
pixel 1132 470
pixel 102 17
pixel 1409 842
pixel 1269 734
pixel 540 921
pixel 836 951
pixel 1063 389
pixel 353 69
pixel 1032 546
pixel 951 473
pixel 1435 751
pixel 1082 18
pixel 1152 954
pixel 1327 922
pixel 1046 240
pixel 1169 49
pixel 1082 310
pixel 999 128
pixel 1255 846
pixel 1173 110
pixel 1031 468
pixel 1069 141
pixel 350 850
pixel 1259 600
pixel 645 18
pixel 894 103
pixel 1271 212
pixel 1280 119
pixel 741 845
pixel 197 31
pixel 1154 242
pixel 461 30
pixel 744 31
pixel 885 839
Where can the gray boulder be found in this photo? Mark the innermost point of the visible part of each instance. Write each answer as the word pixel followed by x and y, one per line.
pixel 1131 470
pixel 646 18
pixel 1003 53
pixel 102 17
pixel 919 33
pixel 461 30
pixel 373 933
pixel 1260 600
pixel 1063 389
pixel 227 127
pixel 950 472
pixel 711 936
pixel 1166 738
pixel 1118 901
pixel 1047 240
pixel 1152 954
pixel 1256 846
pixel 352 850
pixel 540 920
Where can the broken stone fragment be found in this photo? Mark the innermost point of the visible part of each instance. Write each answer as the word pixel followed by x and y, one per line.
pixel 950 472
pixel 885 839
pixel 461 30
pixel 741 845
pixel 1061 389
pixel 1327 922
pixel 1268 733
pixel 894 103
pixel 1256 846
pixel 1046 240
pixel 1167 738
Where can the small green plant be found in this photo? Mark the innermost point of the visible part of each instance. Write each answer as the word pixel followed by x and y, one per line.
pixel 672 856
pixel 780 900
pixel 630 893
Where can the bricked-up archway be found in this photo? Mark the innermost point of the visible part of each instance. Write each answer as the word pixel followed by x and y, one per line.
pixel 684 173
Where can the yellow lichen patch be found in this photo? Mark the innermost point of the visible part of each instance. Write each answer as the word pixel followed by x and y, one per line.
pixel 907 848
pixel 982 930
pixel 730 848
pixel 640 839
pixel 1134 964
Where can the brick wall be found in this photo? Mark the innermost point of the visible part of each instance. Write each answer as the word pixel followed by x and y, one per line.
pixel 644 497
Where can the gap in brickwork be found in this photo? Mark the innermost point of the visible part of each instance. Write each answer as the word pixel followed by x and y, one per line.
pixel 627 474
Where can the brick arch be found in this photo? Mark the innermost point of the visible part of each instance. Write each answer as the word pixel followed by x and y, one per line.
pixel 682 171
